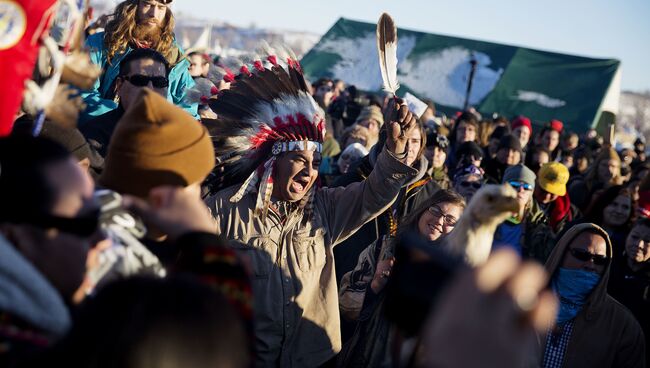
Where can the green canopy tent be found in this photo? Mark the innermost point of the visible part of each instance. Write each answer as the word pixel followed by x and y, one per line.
pixel 508 80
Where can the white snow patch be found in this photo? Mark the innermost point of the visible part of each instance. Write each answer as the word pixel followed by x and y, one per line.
pixel 359 64
pixel 442 76
pixel 539 98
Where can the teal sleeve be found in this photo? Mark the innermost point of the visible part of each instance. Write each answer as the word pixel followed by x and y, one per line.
pixel 95 104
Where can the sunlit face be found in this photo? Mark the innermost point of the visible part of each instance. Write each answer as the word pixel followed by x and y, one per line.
pixel 567 161
pixel 571 142
pixel 415 142
pixel 541 158
pixel 550 140
pixel 465 133
pixel 618 212
pixel 523 197
pixel 151 12
pixel 637 244
pixel 439 157
pixel 127 91
pixel 295 173
pixel 592 243
pixel 608 169
pixel 439 220
pixel 582 164
pixel 372 125
pixel 325 92
pixel 468 185
pixel 523 134
pixel 73 188
pixel 198 66
pixel 508 156
pixel 542 196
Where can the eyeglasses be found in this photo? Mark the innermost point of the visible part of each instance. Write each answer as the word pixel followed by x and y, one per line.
pixel 519 184
pixel 473 184
pixel 143 80
pixel 449 220
pixel 584 256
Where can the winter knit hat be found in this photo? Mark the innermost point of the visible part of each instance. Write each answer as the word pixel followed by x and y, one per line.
pixel 519 173
pixel 509 142
pixel 556 125
pixel 522 121
pixel 469 148
pixel 156 143
pixel 371 112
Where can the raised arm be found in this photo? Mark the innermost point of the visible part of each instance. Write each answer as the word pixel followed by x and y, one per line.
pixel 347 209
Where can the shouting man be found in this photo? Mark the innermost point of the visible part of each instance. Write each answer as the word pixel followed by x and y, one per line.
pixel 270 133
pixel 136 24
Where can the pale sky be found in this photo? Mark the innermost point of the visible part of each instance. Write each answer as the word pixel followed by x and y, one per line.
pixel 595 28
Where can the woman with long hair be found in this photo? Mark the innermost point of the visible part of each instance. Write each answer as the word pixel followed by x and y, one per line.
pixel 615 211
pixel 603 173
pixel 361 294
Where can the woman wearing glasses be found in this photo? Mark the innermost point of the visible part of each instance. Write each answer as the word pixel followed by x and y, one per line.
pixel 361 293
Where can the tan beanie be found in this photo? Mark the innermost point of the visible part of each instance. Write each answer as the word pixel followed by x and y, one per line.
pixel 371 112
pixel 156 143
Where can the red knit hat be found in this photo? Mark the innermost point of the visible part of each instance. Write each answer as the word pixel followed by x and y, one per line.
pixel 556 125
pixel 522 121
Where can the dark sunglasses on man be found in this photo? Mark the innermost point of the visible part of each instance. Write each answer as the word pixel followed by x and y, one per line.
pixel 584 256
pixel 143 80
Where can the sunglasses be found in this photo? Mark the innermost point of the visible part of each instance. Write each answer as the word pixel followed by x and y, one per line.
pixel 143 80
pixel 518 184
pixel 83 226
pixel 473 184
pixel 449 220
pixel 585 256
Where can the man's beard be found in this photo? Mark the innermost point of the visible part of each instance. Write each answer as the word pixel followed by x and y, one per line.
pixel 148 33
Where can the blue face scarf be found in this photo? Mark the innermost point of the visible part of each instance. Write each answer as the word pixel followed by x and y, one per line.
pixel 573 287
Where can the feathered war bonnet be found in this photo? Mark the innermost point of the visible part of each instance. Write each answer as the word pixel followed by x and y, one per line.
pixel 267 111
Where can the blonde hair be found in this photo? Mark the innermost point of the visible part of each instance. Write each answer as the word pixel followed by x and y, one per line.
pixel 120 30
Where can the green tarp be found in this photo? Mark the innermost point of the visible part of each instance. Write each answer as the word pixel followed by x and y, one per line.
pixel 508 80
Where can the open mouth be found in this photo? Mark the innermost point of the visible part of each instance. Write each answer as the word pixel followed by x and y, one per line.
pixel 299 185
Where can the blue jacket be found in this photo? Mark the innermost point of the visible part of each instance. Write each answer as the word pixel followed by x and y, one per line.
pixel 96 98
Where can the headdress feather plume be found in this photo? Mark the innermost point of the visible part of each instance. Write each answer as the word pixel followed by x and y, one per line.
pixel 387 49
pixel 268 102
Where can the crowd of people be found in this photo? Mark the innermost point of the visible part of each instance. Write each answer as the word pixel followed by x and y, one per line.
pixel 212 212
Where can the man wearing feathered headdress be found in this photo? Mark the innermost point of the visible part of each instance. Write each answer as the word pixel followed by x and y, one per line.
pixel 268 143
pixel 136 24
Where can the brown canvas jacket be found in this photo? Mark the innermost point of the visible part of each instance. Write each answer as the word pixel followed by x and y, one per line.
pixel 296 312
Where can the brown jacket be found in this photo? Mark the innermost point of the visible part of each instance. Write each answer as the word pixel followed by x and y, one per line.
pixel 605 334
pixel 296 311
